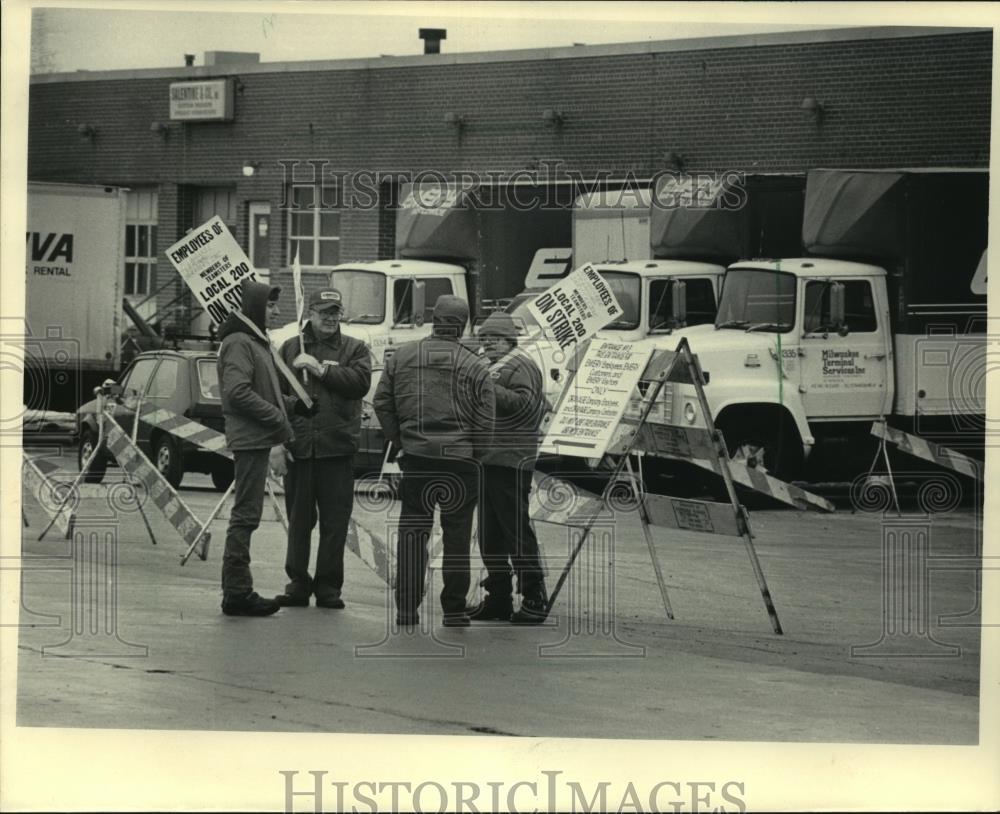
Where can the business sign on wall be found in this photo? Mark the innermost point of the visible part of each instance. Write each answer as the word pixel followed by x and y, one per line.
pixel 208 101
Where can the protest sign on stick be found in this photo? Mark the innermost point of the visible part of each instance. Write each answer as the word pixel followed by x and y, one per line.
pixel 214 266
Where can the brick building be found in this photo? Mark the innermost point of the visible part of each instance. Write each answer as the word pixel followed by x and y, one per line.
pixel 863 98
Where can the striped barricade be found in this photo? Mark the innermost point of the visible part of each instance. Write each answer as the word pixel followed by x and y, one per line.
pixel 369 547
pixel 198 434
pixel 695 444
pixel 928 451
pixel 682 514
pixel 131 459
pixel 36 476
pixel 556 501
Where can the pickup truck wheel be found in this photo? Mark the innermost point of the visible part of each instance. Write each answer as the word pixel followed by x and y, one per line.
pixel 767 447
pixel 167 460
pixel 222 475
pixel 95 472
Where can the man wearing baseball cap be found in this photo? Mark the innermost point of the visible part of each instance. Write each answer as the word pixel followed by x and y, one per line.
pixel 320 478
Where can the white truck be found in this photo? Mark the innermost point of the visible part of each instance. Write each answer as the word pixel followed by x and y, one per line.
pixel 75 250
pixel 693 229
pixel 447 242
pixel 884 317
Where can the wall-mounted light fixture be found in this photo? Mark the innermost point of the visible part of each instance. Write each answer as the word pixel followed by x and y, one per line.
pixel 814 108
pixel 86 131
pixel 673 160
pixel 553 118
pixel 456 120
pixel 249 168
pixel 161 129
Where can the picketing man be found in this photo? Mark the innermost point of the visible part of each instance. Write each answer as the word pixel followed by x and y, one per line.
pixel 257 427
pixel 507 541
pixel 435 402
pixel 320 477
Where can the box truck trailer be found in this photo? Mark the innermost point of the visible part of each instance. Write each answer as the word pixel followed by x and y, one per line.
pixel 884 317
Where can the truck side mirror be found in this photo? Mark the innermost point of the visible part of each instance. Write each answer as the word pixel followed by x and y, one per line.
pixel 838 308
pixel 419 299
pixel 678 305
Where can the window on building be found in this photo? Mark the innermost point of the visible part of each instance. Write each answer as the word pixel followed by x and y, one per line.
pixel 314 226
pixel 141 218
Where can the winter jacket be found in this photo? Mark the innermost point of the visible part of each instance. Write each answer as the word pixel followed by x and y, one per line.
pixel 521 404
pixel 436 400
pixel 335 429
pixel 252 405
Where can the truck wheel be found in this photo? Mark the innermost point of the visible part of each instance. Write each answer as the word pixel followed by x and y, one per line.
pixel 95 472
pixel 222 475
pixel 768 447
pixel 167 460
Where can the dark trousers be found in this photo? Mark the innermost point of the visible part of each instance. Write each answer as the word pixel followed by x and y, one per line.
pixel 249 484
pixel 323 486
pixel 507 541
pixel 453 486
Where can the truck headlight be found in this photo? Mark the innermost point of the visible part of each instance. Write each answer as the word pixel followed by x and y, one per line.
pixel 689 412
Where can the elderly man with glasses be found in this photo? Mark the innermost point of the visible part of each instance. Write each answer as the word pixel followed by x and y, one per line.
pixel 320 479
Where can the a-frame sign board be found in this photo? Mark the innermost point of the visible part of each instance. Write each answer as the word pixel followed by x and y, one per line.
pixel 730 518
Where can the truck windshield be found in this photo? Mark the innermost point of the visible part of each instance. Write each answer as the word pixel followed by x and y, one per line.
pixel 363 293
pixel 757 300
pixel 626 288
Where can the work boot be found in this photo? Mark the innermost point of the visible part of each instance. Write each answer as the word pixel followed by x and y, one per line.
pixel 250 604
pixel 495 607
pixel 531 612
pixel 456 620
pixel 292 600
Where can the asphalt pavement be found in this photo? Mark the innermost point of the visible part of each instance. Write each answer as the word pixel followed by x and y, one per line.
pixel 139 642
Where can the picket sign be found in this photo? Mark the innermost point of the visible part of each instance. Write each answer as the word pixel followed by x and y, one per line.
pixel 562 505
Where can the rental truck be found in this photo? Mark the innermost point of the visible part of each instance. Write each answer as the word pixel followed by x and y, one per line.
pixel 884 317
pixel 74 295
pixel 75 267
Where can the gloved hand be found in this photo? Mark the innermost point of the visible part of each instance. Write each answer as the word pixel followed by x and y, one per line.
pixel 277 461
pixel 300 409
pixel 309 362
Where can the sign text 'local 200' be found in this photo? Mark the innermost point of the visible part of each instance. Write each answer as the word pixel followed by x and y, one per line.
pixel 566 312
pixel 215 283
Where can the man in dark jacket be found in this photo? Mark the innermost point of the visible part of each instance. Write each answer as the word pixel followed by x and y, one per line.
pixel 506 537
pixel 256 429
pixel 435 402
pixel 321 474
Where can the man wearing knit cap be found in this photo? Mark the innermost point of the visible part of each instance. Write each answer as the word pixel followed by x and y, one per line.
pixel 506 538
pixel 435 402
